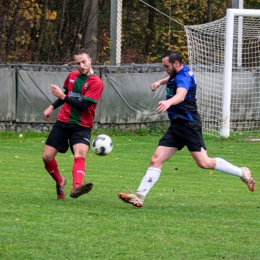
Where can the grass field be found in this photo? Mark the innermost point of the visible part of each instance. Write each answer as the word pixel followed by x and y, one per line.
pixel 190 213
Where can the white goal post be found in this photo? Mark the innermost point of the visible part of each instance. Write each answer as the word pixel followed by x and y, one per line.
pixel 225 58
pixel 231 13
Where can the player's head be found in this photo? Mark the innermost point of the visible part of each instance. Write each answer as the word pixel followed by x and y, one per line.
pixel 81 51
pixel 173 56
pixel 171 61
pixel 83 61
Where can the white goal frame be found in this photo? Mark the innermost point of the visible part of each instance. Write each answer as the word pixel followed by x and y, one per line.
pixel 231 13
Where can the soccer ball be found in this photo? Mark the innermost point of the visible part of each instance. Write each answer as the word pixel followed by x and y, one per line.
pixel 102 145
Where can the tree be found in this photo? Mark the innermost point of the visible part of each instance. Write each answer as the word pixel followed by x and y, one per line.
pixel 209 12
pixel 11 30
pixel 150 27
pixel 48 31
pixel 42 30
pixel 88 28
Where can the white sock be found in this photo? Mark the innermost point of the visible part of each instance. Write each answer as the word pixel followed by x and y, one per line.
pixel 226 167
pixel 151 177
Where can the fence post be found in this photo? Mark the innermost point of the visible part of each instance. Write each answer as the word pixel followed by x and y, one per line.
pixel 115 32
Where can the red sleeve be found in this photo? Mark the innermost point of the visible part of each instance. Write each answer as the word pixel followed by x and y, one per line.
pixel 69 81
pixel 66 82
pixel 93 89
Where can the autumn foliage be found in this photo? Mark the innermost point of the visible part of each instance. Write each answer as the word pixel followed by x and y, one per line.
pixel 49 31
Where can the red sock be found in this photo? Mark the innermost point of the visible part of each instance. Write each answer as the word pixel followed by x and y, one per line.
pixel 52 168
pixel 78 171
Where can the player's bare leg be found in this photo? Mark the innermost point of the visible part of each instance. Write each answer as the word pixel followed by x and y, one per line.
pixel 224 166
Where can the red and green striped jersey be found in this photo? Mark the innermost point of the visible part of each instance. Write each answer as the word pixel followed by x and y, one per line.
pixel 80 87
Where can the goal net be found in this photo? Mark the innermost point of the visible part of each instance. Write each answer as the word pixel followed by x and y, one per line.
pixel 228 83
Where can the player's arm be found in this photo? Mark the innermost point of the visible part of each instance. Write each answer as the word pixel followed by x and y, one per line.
pixel 176 99
pixel 49 110
pixel 59 102
pixel 81 105
pixel 158 83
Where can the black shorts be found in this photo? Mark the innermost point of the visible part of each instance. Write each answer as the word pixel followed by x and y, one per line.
pixel 184 133
pixel 63 135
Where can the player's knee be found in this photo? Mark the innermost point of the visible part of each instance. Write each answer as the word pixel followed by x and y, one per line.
pixel 203 164
pixel 155 160
pixel 46 157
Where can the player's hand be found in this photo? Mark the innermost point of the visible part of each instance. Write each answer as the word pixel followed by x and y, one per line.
pixel 57 92
pixel 48 113
pixel 163 106
pixel 155 85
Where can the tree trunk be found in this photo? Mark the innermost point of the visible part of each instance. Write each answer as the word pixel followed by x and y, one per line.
pixel 78 41
pixel 62 18
pixel 42 31
pixel 4 6
pixel 12 30
pixel 90 30
pixel 209 12
pixel 150 27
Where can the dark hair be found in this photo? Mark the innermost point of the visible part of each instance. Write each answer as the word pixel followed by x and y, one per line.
pixel 81 51
pixel 173 56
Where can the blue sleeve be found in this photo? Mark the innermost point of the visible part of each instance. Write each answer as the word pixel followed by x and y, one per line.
pixel 183 81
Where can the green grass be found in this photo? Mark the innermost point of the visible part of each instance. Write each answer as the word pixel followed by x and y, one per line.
pixel 190 213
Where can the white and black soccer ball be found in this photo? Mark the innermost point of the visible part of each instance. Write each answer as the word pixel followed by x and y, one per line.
pixel 102 145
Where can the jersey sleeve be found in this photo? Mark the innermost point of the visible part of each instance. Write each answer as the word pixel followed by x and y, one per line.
pixel 69 81
pixel 66 82
pixel 184 81
pixel 94 89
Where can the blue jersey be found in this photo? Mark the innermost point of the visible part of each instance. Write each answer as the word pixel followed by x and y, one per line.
pixel 187 109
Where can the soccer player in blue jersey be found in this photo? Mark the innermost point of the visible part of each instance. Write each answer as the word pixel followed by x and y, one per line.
pixel 185 130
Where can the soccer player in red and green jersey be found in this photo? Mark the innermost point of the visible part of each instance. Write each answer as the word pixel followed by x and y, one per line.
pixel 83 89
